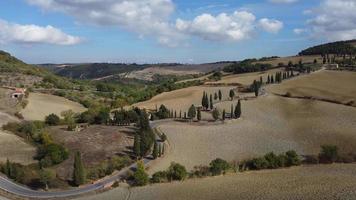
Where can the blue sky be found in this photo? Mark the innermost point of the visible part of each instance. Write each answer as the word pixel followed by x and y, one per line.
pixel 151 31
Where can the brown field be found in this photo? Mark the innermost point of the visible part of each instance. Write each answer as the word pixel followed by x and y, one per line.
pixel 40 105
pixel 329 85
pixel 294 59
pixel 307 182
pixel 13 147
pixel 96 144
pixel 245 79
pixel 148 73
pixel 270 123
pixel 182 99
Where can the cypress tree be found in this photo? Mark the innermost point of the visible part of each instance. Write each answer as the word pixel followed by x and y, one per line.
pixel 238 110
pixel 272 80
pixel 232 94
pixel 185 115
pixel 268 79
pixel 223 115
pixel 211 102
pixel 163 148
pixel 79 171
pixel 261 80
pixel 155 150
pixel 137 146
pixel 206 101
pixel 203 99
pixel 8 168
pixel 192 112
pixel 232 111
pixel 215 96
pixel 220 95
pixel 180 114
pixel 256 88
pixel 199 115
pixel 159 150
pixel 175 114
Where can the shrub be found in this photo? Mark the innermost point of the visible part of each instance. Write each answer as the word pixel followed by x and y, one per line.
pixel 258 164
pixel 328 154
pixel 273 160
pixel 52 120
pixel 177 172
pixel 219 166
pixel 140 176
pixel 201 171
pixel 292 158
pixel 159 177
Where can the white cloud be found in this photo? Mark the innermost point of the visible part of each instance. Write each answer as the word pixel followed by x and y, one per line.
pixel 334 20
pixel 270 25
pixel 235 27
pixel 283 1
pixel 32 34
pixel 299 31
pixel 153 18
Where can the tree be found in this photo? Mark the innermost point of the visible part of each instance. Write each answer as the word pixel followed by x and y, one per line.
pixel 329 154
pixel 220 95
pixel 159 150
pixel 199 115
pixel 256 88
pixel 219 166
pixel 224 115
pixel 137 146
pixel 261 80
pixel 215 96
pixel 268 80
pixel 238 109
pixel 211 102
pixel 52 120
pixel 8 168
pixel 232 115
pixel 45 177
pixel 292 158
pixel 216 114
pixel 232 94
pixel 140 176
pixel 192 112
pixel 79 171
pixel 155 150
pixel 177 172
pixel 69 119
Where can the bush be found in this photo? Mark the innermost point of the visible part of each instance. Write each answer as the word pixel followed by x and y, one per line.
pixel 328 154
pixel 159 177
pixel 274 161
pixel 201 171
pixel 292 158
pixel 140 177
pixel 258 164
pixel 52 120
pixel 219 166
pixel 177 172
pixel 52 153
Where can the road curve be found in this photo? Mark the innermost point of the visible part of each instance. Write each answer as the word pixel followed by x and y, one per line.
pixel 22 191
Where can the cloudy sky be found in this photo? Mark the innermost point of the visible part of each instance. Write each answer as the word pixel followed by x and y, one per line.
pixel 187 31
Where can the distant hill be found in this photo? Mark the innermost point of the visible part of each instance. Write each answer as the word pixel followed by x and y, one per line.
pixel 340 48
pixel 99 71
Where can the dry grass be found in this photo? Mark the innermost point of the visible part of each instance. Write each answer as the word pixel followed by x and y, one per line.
pixel 13 147
pixel 182 99
pixel 148 73
pixel 330 85
pixel 269 123
pixel 246 79
pixel 96 144
pixel 307 182
pixel 294 59
pixel 40 105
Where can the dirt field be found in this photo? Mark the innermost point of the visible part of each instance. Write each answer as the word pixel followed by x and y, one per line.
pixel 40 105
pixel 294 59
pixel 246 79
pixel 269 123
pixel 148 73
pixel 13 147
pixel 307 182
pixel 96 144
pixel 182 99
pixel 330 85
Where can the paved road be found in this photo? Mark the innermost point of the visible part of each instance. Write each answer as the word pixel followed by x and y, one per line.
pixel 14 188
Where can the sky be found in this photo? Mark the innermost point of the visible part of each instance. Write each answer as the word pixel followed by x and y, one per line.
pixel 161 31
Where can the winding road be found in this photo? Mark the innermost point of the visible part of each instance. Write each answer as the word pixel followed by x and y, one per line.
pixel 22 191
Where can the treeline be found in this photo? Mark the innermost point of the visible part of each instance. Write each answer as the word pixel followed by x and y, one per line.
pixel 338 48
pixel 246 66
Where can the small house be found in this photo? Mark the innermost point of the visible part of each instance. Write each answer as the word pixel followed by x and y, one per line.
pixel 18 92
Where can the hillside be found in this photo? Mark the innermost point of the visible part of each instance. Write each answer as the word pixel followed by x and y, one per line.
pixel 146 72
pixel 339 48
